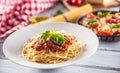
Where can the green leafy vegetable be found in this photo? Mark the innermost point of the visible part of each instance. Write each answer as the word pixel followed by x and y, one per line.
pixel 92 21
pixel 103 14
pixel 57 38
pixel 47 34
pixel 116 26
pixel 59 12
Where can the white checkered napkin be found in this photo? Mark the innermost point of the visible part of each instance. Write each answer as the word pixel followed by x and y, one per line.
pixel 14 14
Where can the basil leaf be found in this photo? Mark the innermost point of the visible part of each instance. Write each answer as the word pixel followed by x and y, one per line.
pixel 91 21
pixel 116 26
pixel 46 35
pixel 53 31
pixel 103 14
pixel 58 39
pixel 59 12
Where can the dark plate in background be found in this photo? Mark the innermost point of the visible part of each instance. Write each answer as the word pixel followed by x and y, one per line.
pixel 114 37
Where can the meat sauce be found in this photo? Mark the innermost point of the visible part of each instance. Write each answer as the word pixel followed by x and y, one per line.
pixel 49 45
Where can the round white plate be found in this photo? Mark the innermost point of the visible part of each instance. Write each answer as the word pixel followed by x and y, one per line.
pixel 12 46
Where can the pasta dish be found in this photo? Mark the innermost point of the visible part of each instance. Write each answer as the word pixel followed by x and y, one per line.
pixel 103 23
pixel 52 47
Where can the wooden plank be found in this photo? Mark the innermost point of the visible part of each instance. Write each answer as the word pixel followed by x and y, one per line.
pixel 112 45
pixel 109 49
pixel 104 59
pixel 7 66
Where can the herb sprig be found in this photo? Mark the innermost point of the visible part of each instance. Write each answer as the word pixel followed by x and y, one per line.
pixel 116 25
pixel 52 35
pixel 92 21
pixel 103 14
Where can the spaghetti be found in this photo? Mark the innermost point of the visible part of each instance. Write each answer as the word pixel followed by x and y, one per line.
pixel 49 52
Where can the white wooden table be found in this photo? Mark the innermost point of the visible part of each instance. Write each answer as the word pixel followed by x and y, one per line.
pixel 105 60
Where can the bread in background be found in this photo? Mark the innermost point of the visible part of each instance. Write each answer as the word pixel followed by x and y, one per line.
pixel 105 3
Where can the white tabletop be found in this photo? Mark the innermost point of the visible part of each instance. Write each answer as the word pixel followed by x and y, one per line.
pixel 105 60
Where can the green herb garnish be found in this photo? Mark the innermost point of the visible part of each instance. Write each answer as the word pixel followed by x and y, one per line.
pixel 92 21
pixel 116 25
pixel 58 39
pixel 103 14
pixel 45 35
pixel 52 35
pixel 59 12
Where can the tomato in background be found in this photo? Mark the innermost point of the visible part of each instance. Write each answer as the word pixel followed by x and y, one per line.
pixel 90 15
pixel 103 33
pixel 75 2
pixel 117 20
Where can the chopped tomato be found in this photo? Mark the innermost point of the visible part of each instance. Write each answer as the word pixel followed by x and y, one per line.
pixel 104 33
pixel 117 32
pixel 90 15
pixel 111 21
pixel 118 20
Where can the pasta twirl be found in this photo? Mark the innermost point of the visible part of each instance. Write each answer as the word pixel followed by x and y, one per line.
pixel 49 52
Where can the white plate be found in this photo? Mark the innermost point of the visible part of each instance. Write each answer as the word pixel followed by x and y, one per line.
pixel 12 46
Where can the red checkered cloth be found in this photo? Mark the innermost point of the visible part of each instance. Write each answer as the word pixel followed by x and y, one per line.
pixel 14 14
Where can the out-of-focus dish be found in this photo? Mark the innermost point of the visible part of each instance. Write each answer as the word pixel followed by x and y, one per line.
pixel 103 23
pixel 105 3
pixel 13 50
pixel 52 47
